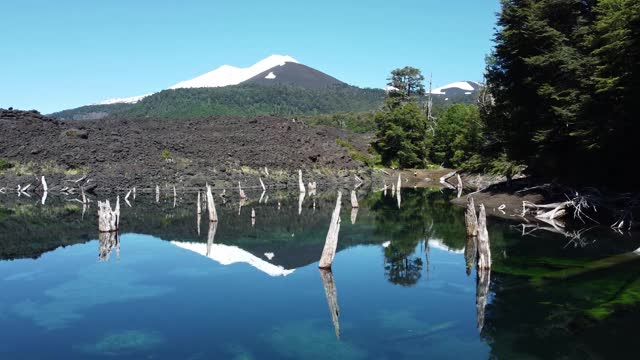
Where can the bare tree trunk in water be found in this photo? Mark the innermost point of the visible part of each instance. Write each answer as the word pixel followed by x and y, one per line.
pixel 470 253
pixel 482 292
pixel 331 242
pixel 331 292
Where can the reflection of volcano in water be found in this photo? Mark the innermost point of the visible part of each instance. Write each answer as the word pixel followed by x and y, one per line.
pixel 439 244
pixel 227 255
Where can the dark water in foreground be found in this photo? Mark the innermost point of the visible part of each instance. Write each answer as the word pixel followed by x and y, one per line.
pixel 400 286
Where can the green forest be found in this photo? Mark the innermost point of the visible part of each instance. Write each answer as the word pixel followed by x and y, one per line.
pixel 253 100
pixel 558 102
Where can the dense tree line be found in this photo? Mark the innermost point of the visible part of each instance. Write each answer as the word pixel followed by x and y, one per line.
pixel 563 76
pixel 253 100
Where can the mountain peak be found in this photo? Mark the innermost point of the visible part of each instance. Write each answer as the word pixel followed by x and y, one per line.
pixel 227 75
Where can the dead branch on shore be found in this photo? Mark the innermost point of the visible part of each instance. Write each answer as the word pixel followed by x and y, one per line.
pixel 443 179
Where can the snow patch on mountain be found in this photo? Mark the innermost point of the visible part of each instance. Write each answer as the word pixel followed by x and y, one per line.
pixel 230 75
pixel 270 76
pixel 462 85
pixel 227 255
pixel 129 100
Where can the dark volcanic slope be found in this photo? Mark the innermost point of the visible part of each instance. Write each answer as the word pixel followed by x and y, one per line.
pixel 145 152
pixel 295 75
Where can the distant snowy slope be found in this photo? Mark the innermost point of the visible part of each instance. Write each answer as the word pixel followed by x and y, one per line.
pixel 460 86
pixel 230 75
pixel 129 100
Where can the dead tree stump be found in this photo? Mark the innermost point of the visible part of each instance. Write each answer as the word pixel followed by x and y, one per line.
pixel 331 242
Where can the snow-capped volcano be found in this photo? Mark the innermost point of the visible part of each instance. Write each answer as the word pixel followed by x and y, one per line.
pixel 466 87
pixel 227 255
pixel 225 75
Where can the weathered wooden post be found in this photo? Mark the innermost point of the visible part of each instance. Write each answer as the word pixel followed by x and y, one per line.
pixel 354 215
pixel 134 193
pixel 384 189
pixel 243 196
pixel 484 251
pixel 174 196
pixel 211 206
pixel 331 293
pixel 300 183
pixel 331 242
pixel 393 190
pixel 253 217
pixel 108 220
pixel 354 200
pixel 198 207
pixel 459 187
pixel 264 188
pixel 157 194
pixel 399 184
pixel 470 218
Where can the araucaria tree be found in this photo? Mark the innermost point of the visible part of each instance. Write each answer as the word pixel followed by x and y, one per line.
pixel 401 125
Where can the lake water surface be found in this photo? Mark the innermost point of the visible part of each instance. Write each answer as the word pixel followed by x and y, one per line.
pixel 400 288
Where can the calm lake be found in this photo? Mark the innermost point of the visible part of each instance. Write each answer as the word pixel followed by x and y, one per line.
pixel 173 288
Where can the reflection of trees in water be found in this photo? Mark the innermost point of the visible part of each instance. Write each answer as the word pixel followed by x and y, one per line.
pixel 401 268
pixel 424 214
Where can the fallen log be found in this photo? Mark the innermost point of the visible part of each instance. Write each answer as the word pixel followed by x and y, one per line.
pixel 443 179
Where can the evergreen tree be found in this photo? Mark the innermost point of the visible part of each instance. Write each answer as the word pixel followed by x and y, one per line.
pixel 562 77
pixel 401 126
pixel 401 136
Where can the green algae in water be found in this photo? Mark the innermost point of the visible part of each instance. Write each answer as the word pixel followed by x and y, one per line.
pixel 124 342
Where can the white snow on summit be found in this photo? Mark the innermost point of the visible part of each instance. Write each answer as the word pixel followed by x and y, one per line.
pixel 129 100
pixel 227 255
pixel 227 75
pixel 464 85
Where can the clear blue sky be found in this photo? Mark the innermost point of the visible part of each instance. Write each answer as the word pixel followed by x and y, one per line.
pixel 61 54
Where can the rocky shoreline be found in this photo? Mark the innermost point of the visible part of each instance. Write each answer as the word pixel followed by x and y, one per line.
pixel 120 154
